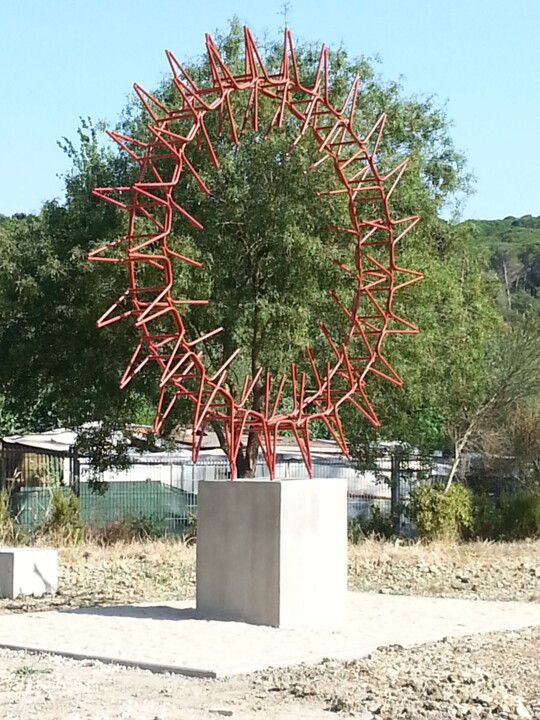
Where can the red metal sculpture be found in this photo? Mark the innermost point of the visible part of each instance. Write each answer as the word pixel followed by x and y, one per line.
pixel 161 163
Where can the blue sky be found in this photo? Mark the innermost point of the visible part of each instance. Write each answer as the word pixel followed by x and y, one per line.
pixel 62 59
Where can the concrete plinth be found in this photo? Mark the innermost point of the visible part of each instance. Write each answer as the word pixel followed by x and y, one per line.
pixel 273 552
pixel 27 571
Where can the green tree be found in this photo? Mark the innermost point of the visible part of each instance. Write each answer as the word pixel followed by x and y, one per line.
pixel 57 368
pixel 266 249
pixel 501 419
pixel 266 245
pixel 445 367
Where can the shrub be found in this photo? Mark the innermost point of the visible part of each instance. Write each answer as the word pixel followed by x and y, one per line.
pixel 189 535
pixel 441 515
pixel 143 527
pixel 487 525
pixel 11 533
pixel 127 530
pixel 511 516
pixel 375 524
pixel 118 531
pixel 63 519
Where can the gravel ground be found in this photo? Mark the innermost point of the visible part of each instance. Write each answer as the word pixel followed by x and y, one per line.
pixel 489 676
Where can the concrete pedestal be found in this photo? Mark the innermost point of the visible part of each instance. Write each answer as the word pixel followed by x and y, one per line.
pixel 273 552
pixel 27 571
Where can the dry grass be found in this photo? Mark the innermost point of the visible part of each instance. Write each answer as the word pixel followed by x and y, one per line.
pixel 476 570
pixel 125 572
pixel 155 550
pixel 445 551
pixel 158 570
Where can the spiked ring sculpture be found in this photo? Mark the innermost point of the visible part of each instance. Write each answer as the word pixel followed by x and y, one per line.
pixel 162 160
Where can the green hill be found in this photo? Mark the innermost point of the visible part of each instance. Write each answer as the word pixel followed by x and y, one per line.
pixel 521 231
pixel 514 246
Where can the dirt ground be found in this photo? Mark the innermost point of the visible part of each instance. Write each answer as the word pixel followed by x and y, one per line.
pixel 489 676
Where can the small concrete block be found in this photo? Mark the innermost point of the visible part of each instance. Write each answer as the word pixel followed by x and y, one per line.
pixel 273 552
pixel 28 571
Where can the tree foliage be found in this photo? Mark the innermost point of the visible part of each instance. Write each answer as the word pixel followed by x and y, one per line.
pixel 512 378
pixel 266 249
pixel 444 367
pixel 56 367
pixel 266 245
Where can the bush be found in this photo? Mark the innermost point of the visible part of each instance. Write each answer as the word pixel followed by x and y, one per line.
pixel 441 515
pixel 189 535
pixel 11 533
pixel 487 525
pixel 63 520
pixel 118 531
pixel 375 524
pixel 127 530
pixel 144 527
pixel 511 516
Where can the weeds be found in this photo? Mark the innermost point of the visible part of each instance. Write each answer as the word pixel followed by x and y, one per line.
pixel 511 516
pixel 63 521
pixel 145 527
pixel 25 671
pixel 11 533
pixel 189 535
pixel 128 530
pixel 377 525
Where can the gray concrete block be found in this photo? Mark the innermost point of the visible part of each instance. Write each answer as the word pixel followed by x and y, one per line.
pixel 27 571
pixel 273 552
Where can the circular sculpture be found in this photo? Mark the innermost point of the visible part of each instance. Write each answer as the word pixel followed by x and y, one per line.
pixel 161 162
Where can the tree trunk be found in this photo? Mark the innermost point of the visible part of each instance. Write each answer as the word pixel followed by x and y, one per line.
pixel 507 285
pixel 458 449
pixel 460 444
pixel 246 459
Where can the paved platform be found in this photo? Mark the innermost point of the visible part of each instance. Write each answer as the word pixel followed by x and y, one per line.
pixel 172 637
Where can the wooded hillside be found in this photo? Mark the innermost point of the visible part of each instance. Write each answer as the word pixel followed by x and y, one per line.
pixel 514 248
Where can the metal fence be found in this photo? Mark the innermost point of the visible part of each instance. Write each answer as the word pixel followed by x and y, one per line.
pixel 161 490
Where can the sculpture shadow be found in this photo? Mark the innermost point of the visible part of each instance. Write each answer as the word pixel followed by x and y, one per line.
pixel 146 612
pixel 49 588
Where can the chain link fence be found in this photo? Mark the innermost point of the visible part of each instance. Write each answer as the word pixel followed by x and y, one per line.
pixel 161 489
